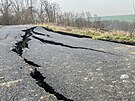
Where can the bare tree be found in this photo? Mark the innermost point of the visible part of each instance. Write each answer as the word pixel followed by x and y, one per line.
pixel 16 6
pixel 51 10
pixel 5 10
pixel 43 11
pixel 97 23
pixel 89 18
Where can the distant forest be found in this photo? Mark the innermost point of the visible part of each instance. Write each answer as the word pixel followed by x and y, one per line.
pixel 14 12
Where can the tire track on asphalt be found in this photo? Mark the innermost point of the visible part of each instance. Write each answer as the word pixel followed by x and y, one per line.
pixel 4 37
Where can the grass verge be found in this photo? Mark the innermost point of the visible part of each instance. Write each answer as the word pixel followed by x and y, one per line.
pixel 113 36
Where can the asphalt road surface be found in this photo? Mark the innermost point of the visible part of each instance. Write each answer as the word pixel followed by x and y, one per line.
pixel 38 65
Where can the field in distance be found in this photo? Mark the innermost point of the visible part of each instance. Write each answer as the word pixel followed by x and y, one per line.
pixel 128 18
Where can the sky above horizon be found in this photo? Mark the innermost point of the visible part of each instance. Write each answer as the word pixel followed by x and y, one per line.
pixel 99 7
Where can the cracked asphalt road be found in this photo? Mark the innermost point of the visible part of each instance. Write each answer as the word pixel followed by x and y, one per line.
pixel 38 65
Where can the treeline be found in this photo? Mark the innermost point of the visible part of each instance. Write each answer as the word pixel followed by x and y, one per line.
pixel 42 11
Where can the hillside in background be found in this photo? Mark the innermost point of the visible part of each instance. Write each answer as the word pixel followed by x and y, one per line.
pixel 128 18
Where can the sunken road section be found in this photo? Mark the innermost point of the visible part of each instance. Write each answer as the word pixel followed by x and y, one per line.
pixel 68 34
pixel 84 36
pixel 37 75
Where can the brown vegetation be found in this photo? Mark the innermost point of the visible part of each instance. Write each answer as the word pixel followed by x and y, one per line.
pixel 44 12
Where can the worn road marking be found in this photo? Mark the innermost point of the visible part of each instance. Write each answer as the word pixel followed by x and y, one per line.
pixel 11 83
pixel 131 52
pixel 1 77
pixel 130 46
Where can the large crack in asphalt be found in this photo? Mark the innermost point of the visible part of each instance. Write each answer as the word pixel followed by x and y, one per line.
pixel 31 63
pixel 23 43
pixel 40 81
pixel 32 29
pixel 68 46
pixel 35 74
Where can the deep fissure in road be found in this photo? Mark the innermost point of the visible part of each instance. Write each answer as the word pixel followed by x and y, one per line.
pixel 68 46
pixel 40 81
pixel 35 74
pixel 31 63
pixel 32 29
pixel 23 43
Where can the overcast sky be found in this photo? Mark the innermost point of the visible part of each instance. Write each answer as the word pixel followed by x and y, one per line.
pixel 99 7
